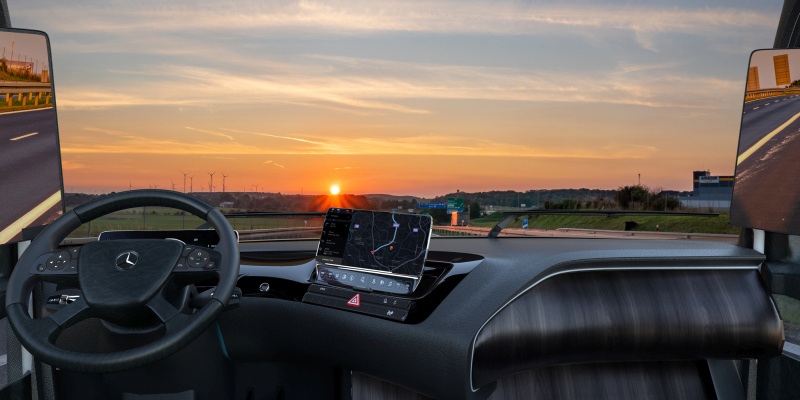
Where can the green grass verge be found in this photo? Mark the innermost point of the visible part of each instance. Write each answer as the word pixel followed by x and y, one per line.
pixel 719 224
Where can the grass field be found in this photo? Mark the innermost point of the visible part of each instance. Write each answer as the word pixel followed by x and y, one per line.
pixel 153 218
pixel 719 224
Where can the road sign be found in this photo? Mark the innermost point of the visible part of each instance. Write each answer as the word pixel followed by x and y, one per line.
pixel 455 205
pixel 431 205
pixel 525 223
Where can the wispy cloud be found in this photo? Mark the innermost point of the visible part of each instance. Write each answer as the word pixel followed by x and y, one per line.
pixel 125 142
pixel 278 137
pixel 117 141
pixel 344 17
pixel 382 86
pixel 229 137
pixel 273 163
pixel 340 168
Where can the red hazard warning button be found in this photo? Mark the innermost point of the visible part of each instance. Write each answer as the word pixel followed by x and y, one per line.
pixel 355 301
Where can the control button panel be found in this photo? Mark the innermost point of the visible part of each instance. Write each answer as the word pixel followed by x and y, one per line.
pixel 383 283
pixel 61 262
pixel 389 307
pixel 195 259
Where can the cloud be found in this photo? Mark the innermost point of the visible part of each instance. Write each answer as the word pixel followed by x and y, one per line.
pixel 384 86
pixel 116 141
pixel 67 165
pixel 278 137
pixel 339 168
pixel 229 137
pixel 353 17
pixel 432 145
pixel 274 164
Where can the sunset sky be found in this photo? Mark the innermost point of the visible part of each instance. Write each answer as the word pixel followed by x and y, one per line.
pixel 416 98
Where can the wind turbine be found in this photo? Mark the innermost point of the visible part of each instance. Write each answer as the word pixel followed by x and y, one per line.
pixel 184 181
pixel 223 181
pixel 173 185
pixel 211 183
pixel 191 181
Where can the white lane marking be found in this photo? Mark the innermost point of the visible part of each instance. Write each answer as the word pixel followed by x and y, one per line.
pixel 24 136
pixel 766 104
pixel 23 111
pixel 27 219
pixel 763 140
pixel 756 108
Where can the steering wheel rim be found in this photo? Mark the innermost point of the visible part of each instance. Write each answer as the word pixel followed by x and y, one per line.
pixel 39 335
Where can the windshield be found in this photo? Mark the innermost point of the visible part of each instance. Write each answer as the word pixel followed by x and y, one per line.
pixel 462 110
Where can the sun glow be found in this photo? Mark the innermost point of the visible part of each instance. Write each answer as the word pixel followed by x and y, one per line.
pixel 334 189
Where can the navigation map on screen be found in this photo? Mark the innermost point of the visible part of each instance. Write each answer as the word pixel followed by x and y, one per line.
pixel 386 243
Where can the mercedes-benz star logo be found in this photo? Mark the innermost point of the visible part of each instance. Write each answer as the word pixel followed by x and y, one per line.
pixel 127 259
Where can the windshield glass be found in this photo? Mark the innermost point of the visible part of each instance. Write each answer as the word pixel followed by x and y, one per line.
pixel 474 107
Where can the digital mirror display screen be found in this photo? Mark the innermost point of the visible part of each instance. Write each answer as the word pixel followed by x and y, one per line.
pixel 766 192
pixel 30 162
pixel 380 251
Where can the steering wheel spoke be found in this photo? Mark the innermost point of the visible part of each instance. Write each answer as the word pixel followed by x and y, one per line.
pixel 71 314
pixel 162 309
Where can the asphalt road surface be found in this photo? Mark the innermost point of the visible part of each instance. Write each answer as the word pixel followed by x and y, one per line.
pixel 761 117
pixel 767 189
pixel 29 167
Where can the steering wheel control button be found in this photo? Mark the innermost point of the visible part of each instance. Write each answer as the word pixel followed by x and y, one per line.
pixel 198 258
pixel 72 267
pixel 126 260
pixel 40 268
pixel 58 261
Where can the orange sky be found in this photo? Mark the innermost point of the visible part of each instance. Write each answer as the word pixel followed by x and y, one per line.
pixel 385 99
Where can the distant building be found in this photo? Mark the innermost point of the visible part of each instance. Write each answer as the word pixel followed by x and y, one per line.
pixel 19 65
pixel 709 191
pixel 226 204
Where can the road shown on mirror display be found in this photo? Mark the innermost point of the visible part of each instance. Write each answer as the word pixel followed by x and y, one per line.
pixel 768 150
pixel 760 117
pixel 29 166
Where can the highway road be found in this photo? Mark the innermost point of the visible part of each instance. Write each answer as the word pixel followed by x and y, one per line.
pixel 761 117
pixel 767 189
pixel 30 181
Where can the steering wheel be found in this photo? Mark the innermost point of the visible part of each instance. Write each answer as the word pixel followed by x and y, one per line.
pixel 121 281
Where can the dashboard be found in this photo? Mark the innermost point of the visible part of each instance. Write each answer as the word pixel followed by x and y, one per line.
pixel 487 311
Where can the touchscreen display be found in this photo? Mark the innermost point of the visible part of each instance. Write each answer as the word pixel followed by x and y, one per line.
pixel 767 181
pixel 377 250
pixel 30 161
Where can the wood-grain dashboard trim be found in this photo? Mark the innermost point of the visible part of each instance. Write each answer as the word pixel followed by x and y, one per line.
pixel 618 314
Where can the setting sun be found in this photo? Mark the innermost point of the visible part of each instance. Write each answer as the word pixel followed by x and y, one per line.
pixel 334 189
